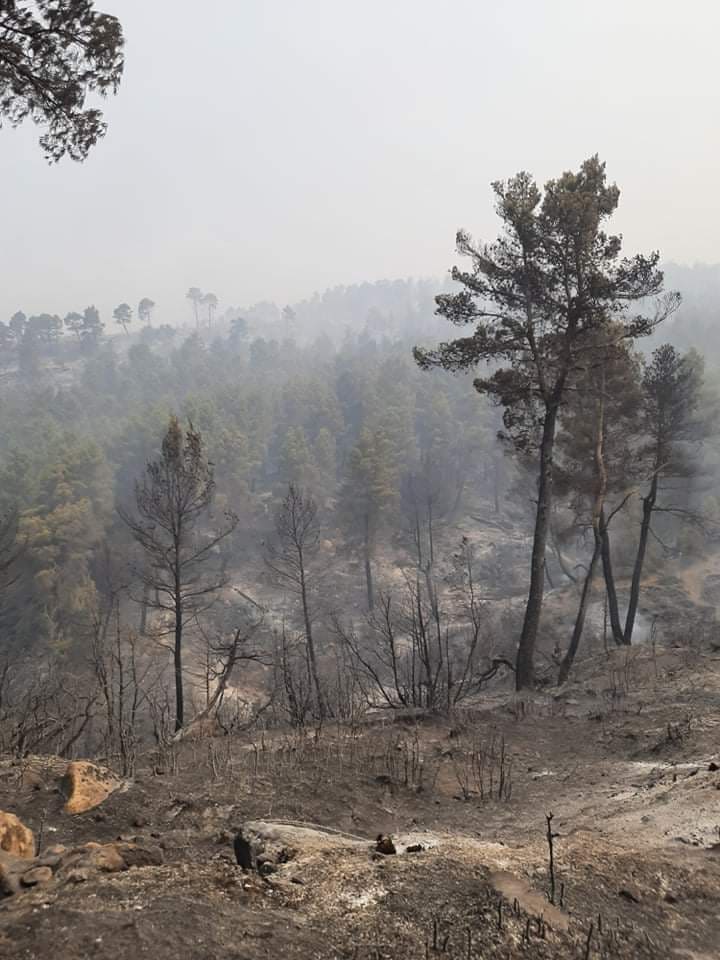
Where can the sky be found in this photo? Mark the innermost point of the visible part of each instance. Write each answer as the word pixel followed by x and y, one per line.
pixel 267 149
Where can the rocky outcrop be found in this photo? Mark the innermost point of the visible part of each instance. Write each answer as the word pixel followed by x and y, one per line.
pixel 15 838
pixel 76 865
pixel 86 786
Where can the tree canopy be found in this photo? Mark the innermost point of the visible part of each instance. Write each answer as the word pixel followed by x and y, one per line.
pixel 53 53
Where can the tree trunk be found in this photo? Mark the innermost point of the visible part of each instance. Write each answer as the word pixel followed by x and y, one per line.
pixel 322 710
pixel 144 609
pixel 569 658
pixel 368 566
pixel 612 600
pixel 496 481
pixel 524 669
pixel 648 507
pixel 562 562
pixel 601 482
pixel 177 658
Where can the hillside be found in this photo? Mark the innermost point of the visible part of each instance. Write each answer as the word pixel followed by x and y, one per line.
pixel 625 758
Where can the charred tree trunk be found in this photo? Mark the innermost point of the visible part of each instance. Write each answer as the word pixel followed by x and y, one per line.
pixel 569 658
pixel 648 507
pixel 368 565
pixel 144 609
pixel 611 590
pixel 310 641
pixel 525 673
pixel 177 660
pixel 598 506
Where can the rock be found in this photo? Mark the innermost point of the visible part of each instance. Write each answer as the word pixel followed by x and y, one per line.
pixel 15 838
pixel 91 858
pixel 415 848
pixel 48 860
pixel 9 878
pixel 140 855
pixel 106 859
pixel 713 767
pixel 56 850
pixel 36 876
pixel 630 895
pixel 86 786
pixel 384 844
pixel 78 875
pixel 244 853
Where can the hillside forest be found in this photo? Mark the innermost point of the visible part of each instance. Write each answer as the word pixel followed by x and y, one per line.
pixel 330 508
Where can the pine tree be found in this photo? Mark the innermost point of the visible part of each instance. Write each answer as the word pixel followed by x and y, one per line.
pixel 171 500
pixel 295 457
pixel 533 297
pixel 367 493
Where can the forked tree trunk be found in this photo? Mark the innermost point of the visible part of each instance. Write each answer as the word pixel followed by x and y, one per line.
pixel 524 669
pixel 611 590
pixel 598 506
pixel 569 657
pixel 648 507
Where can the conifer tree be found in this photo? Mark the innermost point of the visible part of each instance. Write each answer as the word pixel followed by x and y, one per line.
pixel 532 298
pixel 367 493
pixel 171 500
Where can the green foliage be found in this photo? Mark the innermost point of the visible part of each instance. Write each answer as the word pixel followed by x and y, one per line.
pixel 123 315
pixel 144 311
pixel 62 521
pixel 295 460
pixel 370 487
pixel 52 54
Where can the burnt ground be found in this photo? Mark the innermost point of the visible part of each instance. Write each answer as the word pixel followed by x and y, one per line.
pixel 626 759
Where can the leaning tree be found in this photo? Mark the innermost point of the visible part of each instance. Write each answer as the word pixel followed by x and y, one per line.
pixel 533 297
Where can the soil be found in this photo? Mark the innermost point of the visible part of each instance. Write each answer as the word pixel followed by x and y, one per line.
pixel 626 758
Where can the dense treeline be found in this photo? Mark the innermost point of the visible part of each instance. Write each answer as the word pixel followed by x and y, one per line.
pixel 346 424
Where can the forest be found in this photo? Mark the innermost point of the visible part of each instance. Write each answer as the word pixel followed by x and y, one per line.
pixel 380 622
pixel 315 511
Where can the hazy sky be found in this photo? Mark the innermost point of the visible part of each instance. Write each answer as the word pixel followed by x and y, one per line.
pixel 264 149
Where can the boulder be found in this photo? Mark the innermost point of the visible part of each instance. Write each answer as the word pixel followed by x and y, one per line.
pixel 93 858
pixel 36 876
pixel 384 844
pixel 105 858
pixel 90 858
pixel 140 855
pixel 15 838
pixel 86 786
pixel 9 874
